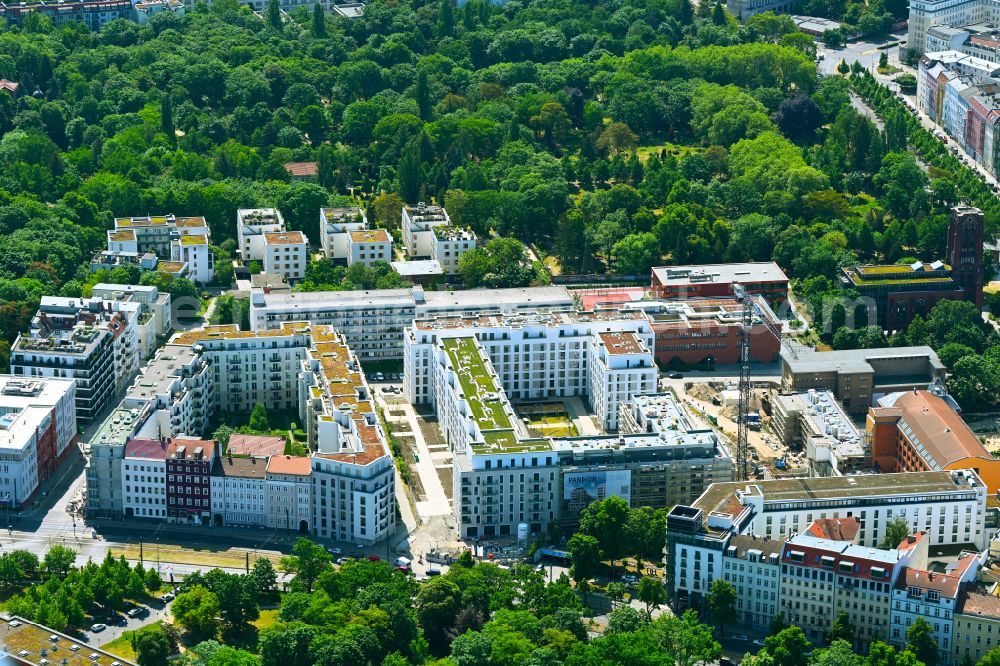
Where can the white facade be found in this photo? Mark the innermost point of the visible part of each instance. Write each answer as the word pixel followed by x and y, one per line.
pixel 289 497
pixel 373 322
pixel 927 13
pixel 155 318
pixel 193 250
pixel 621 366
pixel 144 488
pixel 753 567
pixel 37 426
pixel 450 243
pixel 239 491
pixel 367 247
pixel 286 254
pixel 418 224
pixel 336 225
pixel 251 225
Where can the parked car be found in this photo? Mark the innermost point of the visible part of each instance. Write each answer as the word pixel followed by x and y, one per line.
pixel 758 642
pixel 136 612
pixel 374 558
pixel 98 628
pixel 357 555
pixel 629 578
pixel 675 375
pixel 169 596
pixel 403 562
pixel 740 637
pixel 433 571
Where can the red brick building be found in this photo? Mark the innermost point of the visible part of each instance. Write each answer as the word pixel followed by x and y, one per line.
pixel 714 280
pixel 708 331
pixel 189 480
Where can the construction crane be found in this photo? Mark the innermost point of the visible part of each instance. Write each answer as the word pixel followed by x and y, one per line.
pixel 750 308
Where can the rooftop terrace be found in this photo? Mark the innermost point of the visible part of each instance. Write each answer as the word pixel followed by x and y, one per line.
pixel 370 236
pixel 20 636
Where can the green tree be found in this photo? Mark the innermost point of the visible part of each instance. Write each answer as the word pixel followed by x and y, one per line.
pixel 721 602
pixel 585 553
pixel 307 561
pixel 318 21
pixel 59 560
pixel 237 601
pixel 788 647
pixel 446 19
pixel 652 593
pixel 605 520
pixel 151 647
pixel 274 15
pixel 264 577
pixel 636 253
pixel 437 604
pixel 896 530
pixel 921 642
pixel 686 640
pixel 197 611
pixel 423 94
pixel 258 418
pixel 167 118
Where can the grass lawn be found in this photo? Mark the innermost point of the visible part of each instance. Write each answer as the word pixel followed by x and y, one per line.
pixel 643 152
pixel 232 558
pixel 266 619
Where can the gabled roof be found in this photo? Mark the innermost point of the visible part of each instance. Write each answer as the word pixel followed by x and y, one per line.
pixel 835 529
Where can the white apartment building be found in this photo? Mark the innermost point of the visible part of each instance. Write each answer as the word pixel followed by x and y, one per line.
pixel 143 478
pixel 286 254
pixel 123 241
pixel 924 14
pixel 37 429
pixel 373 322
pixel 418 224
pixel 930 501
pixel 193 251
pixel 753 567
pixel 933 596
pixel 368 246
pixel 621 366
pixel 154 233
pixel 93 341
pixel 336 225
pixel 289 493
pixel 155 319
pixel 450 244
pixel 239 491
pixel 251 225
pixel 535 355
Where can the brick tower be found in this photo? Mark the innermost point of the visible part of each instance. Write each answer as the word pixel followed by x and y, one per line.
pixel 965 251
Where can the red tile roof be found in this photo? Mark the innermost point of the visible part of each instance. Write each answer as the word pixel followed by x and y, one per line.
pixel 255 445
pixel 835 529
pixel 146 448
pixel 946 584
pixel 301 168
pixel 297 465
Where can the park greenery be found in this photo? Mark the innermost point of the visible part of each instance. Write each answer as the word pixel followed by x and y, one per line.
pixel 608 137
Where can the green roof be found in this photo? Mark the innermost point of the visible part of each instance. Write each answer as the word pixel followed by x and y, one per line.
pixel 486 397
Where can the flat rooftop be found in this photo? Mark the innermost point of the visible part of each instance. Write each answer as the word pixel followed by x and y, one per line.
pixel 25 405
pixel 622 343
pixel 343 215
pixel 193 239
pixel 827 420
pixel 483 393
pixel 720 496
pixel 371 236
pixel 919 272
pixel 118 426
pixel 254 217
pixel 418 268
pixel 122 236
pixel 541 319
pixel 160 374
pixel 33 638
pixel 764 271
pixel 855 360
pixel 426 302
pixel 171 266
pixel 284 238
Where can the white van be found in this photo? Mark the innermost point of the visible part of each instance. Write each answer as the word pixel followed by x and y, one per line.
pixel 403 562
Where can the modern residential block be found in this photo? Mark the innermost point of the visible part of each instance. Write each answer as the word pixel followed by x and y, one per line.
pixel 336 225
pixel 373 322
pixel 251 225
pixel 95 342
pixel 368 246
pixel 286 254
pixel 418 224
pixel 155 317
pixel 38 427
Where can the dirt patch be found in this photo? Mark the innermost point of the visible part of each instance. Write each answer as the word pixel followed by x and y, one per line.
pixel 444 473
pixel 702 392
pixel 416 487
